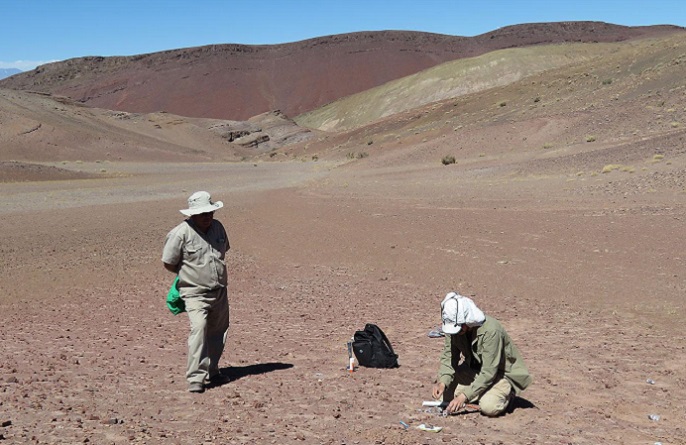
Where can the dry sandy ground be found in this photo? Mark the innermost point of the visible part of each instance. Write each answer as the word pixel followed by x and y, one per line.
pixel 590 287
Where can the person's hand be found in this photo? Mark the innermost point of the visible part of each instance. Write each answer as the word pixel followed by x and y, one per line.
pixel 456 404
pixel 438 390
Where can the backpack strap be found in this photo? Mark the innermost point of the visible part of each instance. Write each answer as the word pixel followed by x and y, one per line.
pixel 379 335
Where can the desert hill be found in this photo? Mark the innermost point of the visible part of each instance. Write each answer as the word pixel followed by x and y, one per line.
pixel 618 112
pixel 38 127
pixel 565 108
pixel 240 81
pixel 450 80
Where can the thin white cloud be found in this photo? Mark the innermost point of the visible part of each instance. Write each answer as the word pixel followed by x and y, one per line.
pixel 24 65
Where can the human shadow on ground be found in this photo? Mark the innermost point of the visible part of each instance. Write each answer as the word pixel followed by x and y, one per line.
pixel 520 403
pixel 238 372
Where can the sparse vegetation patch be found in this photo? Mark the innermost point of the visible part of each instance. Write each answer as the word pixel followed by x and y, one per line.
pixel 447 160
pixel 611 167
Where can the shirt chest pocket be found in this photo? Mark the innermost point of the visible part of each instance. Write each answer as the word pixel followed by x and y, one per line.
pixel 192 251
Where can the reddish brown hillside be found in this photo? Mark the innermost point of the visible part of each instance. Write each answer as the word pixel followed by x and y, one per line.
pixel 240 81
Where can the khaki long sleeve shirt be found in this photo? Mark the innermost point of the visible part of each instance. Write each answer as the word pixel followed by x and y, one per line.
pixel 489 351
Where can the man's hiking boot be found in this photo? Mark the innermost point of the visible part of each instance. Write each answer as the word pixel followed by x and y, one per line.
pixel 219 379
pixel 196 387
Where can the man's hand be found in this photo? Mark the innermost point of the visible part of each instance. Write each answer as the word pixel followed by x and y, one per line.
pixel 456 404
pixel 438 390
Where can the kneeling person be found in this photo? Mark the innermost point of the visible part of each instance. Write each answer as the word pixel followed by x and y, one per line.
pixel 492 372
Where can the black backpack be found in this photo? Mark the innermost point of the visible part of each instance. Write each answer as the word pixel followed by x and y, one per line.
pixel 372 348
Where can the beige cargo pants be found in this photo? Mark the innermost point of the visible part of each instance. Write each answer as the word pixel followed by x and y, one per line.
pixel 209 320
pixel 492 403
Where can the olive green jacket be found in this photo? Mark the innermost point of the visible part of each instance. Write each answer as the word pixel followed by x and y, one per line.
pixel 488 351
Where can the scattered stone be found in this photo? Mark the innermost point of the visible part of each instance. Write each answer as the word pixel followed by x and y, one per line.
pixel 6 423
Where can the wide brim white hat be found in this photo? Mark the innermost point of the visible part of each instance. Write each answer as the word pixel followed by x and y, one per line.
pixel 458 310
pixel 201 202
pixel 449 315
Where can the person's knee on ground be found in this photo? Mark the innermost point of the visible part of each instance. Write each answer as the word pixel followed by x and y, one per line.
pixel 495 401
pixel 492 407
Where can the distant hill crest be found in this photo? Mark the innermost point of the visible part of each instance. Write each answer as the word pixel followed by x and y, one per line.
pixel 231 81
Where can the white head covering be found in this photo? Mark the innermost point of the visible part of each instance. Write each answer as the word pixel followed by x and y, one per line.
pixel 457 310
pixel 201 202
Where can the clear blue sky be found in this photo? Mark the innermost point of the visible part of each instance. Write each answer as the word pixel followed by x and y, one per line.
pixel 33 32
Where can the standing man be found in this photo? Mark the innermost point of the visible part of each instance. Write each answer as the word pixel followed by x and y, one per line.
pixel 492 372
pixel 195 250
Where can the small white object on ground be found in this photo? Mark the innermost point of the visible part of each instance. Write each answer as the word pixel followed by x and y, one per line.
pixel 429 428
pixel 432 403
